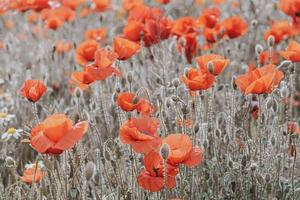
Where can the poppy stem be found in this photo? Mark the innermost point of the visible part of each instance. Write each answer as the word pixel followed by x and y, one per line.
pixel 35 113
pixel 165 179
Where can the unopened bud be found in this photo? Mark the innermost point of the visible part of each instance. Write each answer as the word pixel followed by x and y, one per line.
pixel 210 67
pixel 135 100
pixel 175 98
pixel 284 65
pixel 258 49
pixel 10 162
pixel 271 41
pixel 129 77
pixel 254 23
pixel 78 92
pixel 90 169
pixel 284 91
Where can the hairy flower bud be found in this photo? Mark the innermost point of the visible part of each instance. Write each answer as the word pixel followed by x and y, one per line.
pixel 165 151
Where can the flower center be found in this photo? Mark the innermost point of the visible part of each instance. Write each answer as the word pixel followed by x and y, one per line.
pixel 11 131
pixel 3 115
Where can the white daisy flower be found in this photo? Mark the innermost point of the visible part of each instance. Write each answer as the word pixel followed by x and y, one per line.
pixel 5 117
pixel 31 165
pixel 11 132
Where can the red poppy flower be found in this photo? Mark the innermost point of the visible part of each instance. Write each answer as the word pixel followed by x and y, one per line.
pixel 85 52
pixel 190 46
pixel 63 47
pixel 182 150
pixel 56 134
pixel 139 13
pixel 141 134
pixel 234 27
pixel 132 31
pixel 96 34
pixel 264 58
pixel 219 63
pixel 125 102
pixel 32 174
pixel 183 25
pixel 292 53
pixel 104 58
pixel 125 48
pixel 260 81
pixel 82 79
pixel 163 1
pixel 102 5
pixel 99 73
pixel 198 80
pixel 279 30
pixel 152 177
pixel 130 4
pixel 212 34
pixel 73 4
pixel 209 17
pixel 33 90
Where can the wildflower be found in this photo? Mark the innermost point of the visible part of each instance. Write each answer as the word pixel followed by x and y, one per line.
pixel 190 46
pixel 32 173
pixel 98 34
pixel 198 80
pixel 62 47
pixel 209 17
pixel 101 5
pixel 125 48
pixel 152 178
pixel 279 30
pixel 218 63
pixel 260 80
pixel 5 117
pixel 11 132
pixel 265 58
pixel 183 26
pixel 82 79
pixel 85 52
pixel 56 134
pixel 234 27
pixel 292 53
pixel 125 101
pixel 182 150
pixel 73 4
pixel 33 90
pixel 132 31
pixel 141 134
pixel 163 1
pixel 130 4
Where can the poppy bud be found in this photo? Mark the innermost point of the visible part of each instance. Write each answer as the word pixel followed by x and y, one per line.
pixel 284 91
pixel 271 41
pixel 10 162
pixel 129 77
pixel 234 86
pixel 186 71
pixel 284 65
pixel 182 41
pixel 269 103
pixel 258 49
pixel 115 96
pixel 123 82
pixel 196 128
pixel 165 151
pixel 90 169
pixel 168 103
pixel 210 67
pixel 254 23
pixel 175 82
pixel 218 133
pixel 86 115
pixel 78 92
pixel 118 88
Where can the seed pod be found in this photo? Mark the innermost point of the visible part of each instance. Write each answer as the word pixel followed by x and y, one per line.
pixel 268 178
pixel 165 151
pixel 233 84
